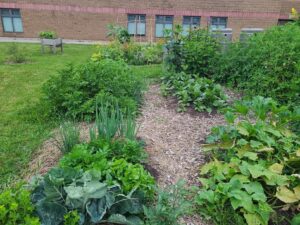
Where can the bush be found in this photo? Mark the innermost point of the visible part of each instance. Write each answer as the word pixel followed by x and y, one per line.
pixel 267 65
pixel 15 54
pixel 254 167
pixel 75 91
pixel 16 208
pixel 197 53
pixel 48 34
pixel 202 93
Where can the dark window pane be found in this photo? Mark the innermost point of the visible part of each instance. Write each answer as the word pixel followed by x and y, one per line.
pixel 196 20
pixel 186 20
pixel 131 17
pixel 15 12
pixel 169 19
pixel 160 19
pixel 5 12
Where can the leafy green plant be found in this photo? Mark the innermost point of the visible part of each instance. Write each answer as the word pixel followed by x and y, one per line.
pixel 71 218
pixel 196 53
pixel 16 208
pixel 267 65
pixel 118 33
pixel 15 54
pixel 48 34
pixel 69 135
pixel 203 94
pixel 171 204
pixel 62 191
pixel 75 92
pixel 255 159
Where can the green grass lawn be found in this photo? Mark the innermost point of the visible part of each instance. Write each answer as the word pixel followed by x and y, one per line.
pixel 23 125
pixel 22 128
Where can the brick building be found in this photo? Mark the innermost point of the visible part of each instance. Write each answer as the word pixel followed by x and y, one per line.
pixel 88 19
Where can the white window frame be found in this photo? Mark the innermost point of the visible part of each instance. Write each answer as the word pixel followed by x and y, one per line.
pixel 138 20
pixel 163 22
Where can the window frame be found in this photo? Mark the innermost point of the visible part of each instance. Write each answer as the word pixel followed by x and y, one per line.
pixel 218 24
pixel 164 23
pixel 136 23
pixel 11 16
pixel 191 23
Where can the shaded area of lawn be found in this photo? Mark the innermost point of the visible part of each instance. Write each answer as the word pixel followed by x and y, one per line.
pixel 22 124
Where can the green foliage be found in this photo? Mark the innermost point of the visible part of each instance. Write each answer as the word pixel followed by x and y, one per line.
pixel 255 162
pixel 111 122
pixel 16 208
pixel 109 158
pixel 201 93
pixel 71 218
pixel 132 53
pixel 196 53
pixel 15 54
pixel 75 91
pixel 267 65
pixel 70 136
pixel 62 191
pixel 132 176
pixel 171 204
pixel 48 34
pixel 118 33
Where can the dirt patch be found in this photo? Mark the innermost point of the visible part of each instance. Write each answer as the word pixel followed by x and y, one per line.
pixel 173 140
pixel 49 154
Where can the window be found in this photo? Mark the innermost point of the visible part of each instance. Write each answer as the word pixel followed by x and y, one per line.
pixel 189 23
pixel 163 23
pixel 11 20
pixel 218 23
pixel 137 24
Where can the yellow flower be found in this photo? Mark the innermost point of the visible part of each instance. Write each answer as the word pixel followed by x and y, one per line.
pixel 294 12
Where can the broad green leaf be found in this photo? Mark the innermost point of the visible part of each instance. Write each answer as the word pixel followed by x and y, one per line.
pixel 298 153
pixel 253 187
pixel 242 130
pixel 251 155
pixel 296 220
pixel 265 149
pixel 276 168
pixel 50 213
pixel 96 208
pixel 239 198
pixel 252 219
pixel 255 144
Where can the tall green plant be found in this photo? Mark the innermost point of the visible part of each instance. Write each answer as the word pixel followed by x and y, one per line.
pixel 69 135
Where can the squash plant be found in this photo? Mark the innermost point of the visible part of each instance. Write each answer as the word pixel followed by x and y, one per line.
pixel 255 164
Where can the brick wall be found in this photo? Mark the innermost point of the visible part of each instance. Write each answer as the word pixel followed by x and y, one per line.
pixel 77 19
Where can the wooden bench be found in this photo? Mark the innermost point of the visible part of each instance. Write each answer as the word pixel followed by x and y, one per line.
pixel 53 44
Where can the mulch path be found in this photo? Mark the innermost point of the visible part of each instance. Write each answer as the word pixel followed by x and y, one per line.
pixel 173 140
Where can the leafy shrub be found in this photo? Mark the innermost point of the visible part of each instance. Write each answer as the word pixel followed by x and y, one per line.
pixel 254 166
pixel 170 205
pixel 75 91
pixel 202 93
pixel 196 53
pixel 16 208
pixel 267 65
pixel 66 190
pixel 15 54
pixel 70 136
pixel 118 33
pixel 132 53
pixel 48 34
